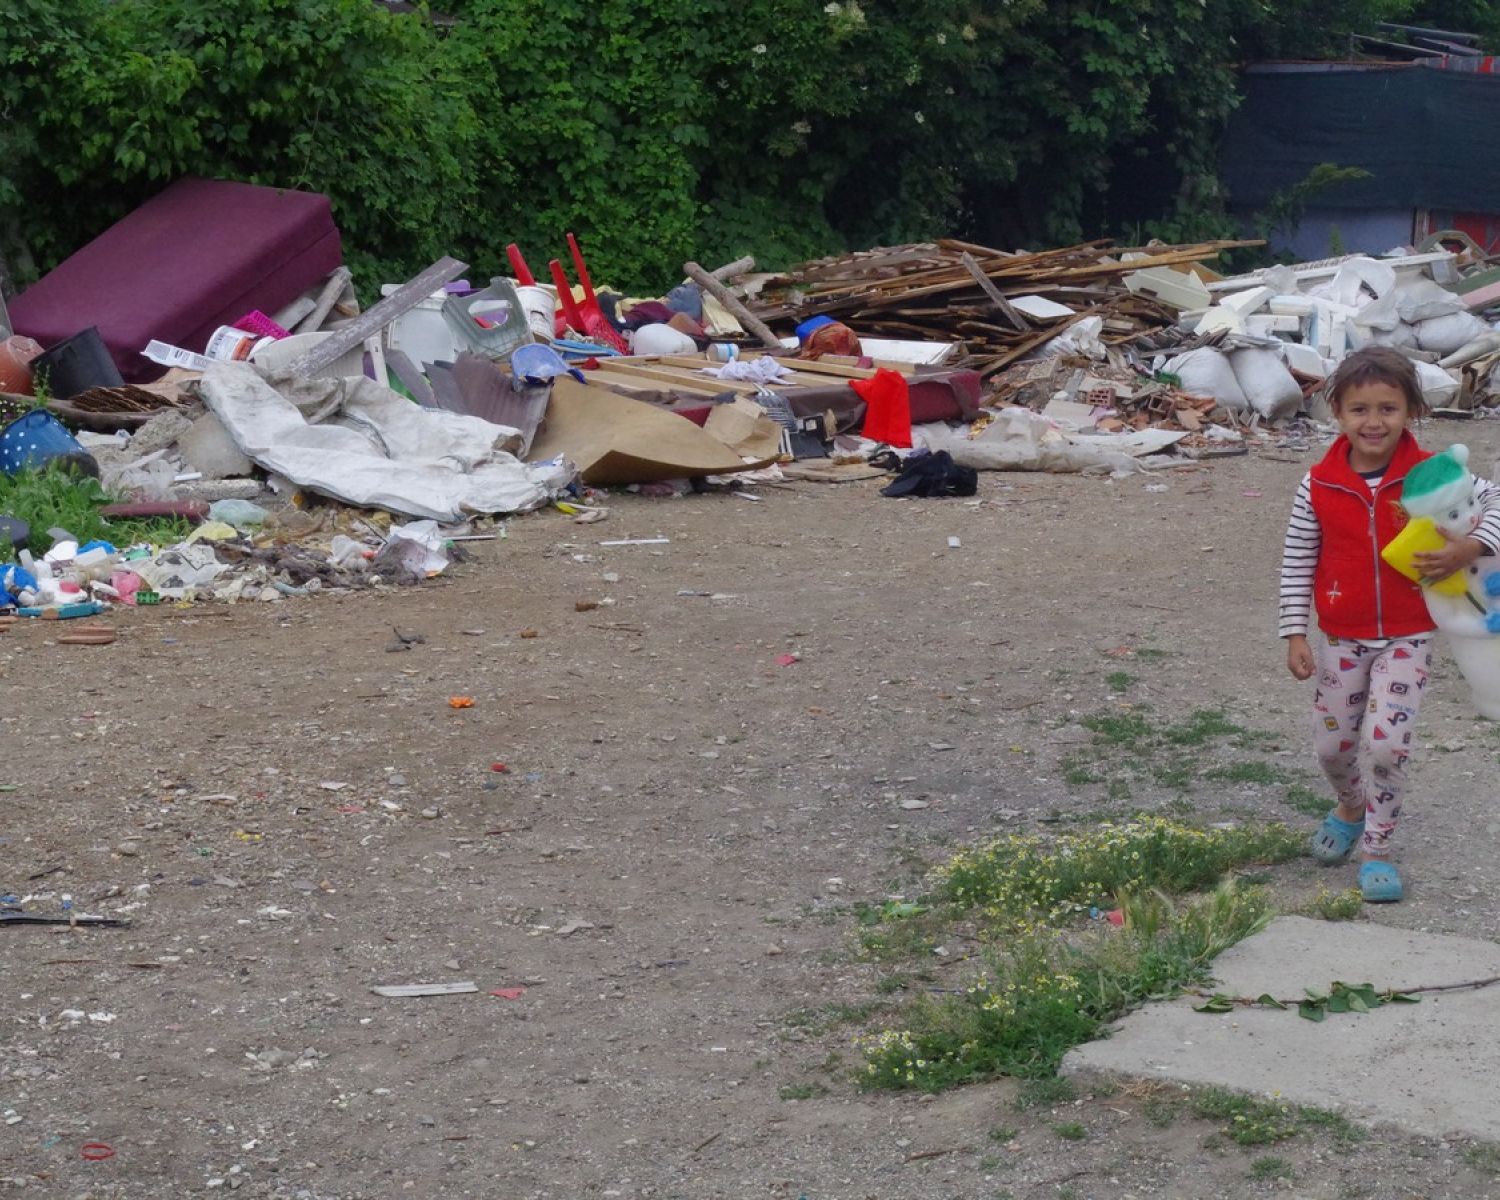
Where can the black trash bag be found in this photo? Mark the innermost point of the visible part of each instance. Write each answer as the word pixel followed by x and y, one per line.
pixel 929 474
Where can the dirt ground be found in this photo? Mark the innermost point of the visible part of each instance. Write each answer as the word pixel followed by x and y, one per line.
pixel 291 814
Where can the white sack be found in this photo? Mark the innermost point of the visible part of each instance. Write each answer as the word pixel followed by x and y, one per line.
pixel 1021 440
pixel 1444 335
pixel 1206 372
pixel 1266 382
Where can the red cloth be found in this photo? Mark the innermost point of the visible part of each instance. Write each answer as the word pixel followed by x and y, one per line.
pixel 887 407
pixel 1353 600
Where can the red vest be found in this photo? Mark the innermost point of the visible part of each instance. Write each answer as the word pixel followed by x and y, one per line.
pixel 1357 594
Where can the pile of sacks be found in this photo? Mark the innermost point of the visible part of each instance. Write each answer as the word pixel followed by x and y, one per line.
pixel 1277 325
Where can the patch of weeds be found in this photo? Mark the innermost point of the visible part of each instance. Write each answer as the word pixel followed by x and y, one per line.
pixel 1041 992
pixel 1151 654
pixel 1343 1131
pixel 1023 876
pixel 1118 789
pixel 988 1163
pixel 1129 744
pixel 1119 681
pixel 1070 1131
pixel 1483 1157
pixel 1119 729
pixel 760 1064
pixel 830 1016
pixel 58 497
pixel 831 1062
pixel 801 1091
pixel 1248 1120
pixel 1306 801
pixel 1179 776
pixel 1328 905
pixel 1076 773
pixel 1046 1093
pixel 1247 772
pixel 1268 1166
pixel 890 984
pixel 1001 1133
pixel 1161 1113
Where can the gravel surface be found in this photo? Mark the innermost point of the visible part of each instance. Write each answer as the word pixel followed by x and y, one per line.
pixel 655 825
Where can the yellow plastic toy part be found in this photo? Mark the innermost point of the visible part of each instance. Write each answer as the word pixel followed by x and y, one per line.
pixel 1421 536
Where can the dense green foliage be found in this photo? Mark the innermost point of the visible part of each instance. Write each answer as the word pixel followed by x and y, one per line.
pixel 658 130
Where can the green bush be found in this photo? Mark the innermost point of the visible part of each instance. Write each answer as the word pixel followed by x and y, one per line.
pixel 656 129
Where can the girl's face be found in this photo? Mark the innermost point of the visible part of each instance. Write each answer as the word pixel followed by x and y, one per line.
pixel 1372 416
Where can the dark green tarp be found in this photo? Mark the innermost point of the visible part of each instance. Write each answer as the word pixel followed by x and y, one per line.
pixel 1429 138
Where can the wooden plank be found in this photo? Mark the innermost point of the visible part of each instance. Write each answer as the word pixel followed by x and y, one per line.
pixel 679 379
pixel 990 290
pixel 369 323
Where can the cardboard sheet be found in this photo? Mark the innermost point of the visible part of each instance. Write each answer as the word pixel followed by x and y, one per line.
pixel 615 440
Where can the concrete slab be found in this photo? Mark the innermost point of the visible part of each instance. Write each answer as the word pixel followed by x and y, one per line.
pixel 1431 1068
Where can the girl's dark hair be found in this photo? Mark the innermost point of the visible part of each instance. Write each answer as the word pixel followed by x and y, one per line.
pixel 1378 364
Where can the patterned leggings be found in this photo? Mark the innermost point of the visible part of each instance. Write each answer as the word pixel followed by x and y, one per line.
pixel 1366 706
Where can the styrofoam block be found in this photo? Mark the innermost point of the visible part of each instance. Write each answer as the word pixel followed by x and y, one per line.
pixel 1304 358
pixel 1268 325
pixel 1219 317
pixel 1248 301
pixel 1297 306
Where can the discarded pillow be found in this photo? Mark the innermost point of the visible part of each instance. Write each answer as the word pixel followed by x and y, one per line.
pixel 1268 385
pixel 662 339
pixel 1206 372
pixel 1444 335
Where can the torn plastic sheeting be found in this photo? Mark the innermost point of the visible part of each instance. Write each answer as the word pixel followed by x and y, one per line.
pixel 1021 440
pixel 385 452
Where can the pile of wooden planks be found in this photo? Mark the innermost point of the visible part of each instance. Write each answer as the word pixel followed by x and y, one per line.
pixel 956 291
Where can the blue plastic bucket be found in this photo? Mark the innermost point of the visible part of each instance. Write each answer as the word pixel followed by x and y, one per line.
pixel 37 439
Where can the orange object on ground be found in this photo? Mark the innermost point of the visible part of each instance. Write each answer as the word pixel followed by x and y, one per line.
pixel 460 701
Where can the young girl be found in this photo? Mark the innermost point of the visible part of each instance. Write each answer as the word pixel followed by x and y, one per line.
pixel 1373 650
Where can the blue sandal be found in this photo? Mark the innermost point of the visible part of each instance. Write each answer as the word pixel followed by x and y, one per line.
pixel 1379 883
pixel 1334 839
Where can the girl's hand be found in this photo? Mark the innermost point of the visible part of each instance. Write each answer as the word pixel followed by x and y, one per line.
pixel 1457 555
pixel 1299 657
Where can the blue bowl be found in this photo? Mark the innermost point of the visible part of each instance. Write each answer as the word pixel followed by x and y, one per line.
pixel 37 440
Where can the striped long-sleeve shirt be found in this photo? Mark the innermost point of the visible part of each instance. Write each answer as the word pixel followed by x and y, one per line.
pixel 1304 539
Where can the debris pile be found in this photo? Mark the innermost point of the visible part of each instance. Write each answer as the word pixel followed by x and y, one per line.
pixel 285 440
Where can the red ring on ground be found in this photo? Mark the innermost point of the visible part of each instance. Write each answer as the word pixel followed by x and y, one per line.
pixel 96 1151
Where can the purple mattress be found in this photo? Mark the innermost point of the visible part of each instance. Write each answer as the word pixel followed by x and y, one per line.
pixel 200 254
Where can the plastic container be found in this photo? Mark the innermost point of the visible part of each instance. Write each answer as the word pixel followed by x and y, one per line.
pixel 39 439
pixel 491 322
pixel 16 354
pixel 75 365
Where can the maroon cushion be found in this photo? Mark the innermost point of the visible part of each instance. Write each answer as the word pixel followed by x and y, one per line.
pixel 200 254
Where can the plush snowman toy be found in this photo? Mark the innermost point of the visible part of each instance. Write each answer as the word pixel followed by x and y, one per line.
pixel 1442 490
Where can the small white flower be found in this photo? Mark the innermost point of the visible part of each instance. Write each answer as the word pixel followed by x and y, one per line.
pixel 833 9
pixel 801 127
pixel 919 118
pixel 942 39
pixel 758 48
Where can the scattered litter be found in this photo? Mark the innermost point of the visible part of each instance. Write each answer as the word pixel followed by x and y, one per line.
pixel 406 990
pixel 787 660
pixel 508 993
pixel 574 926
pixel 656 541
pixel 460 701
